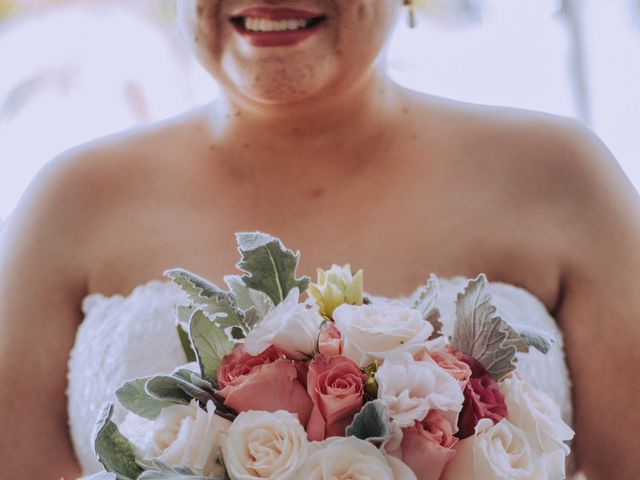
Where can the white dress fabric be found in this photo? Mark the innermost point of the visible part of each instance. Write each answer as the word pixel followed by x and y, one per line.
pixel 135 336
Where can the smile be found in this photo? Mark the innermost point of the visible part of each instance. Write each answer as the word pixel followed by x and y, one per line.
pixel 276 27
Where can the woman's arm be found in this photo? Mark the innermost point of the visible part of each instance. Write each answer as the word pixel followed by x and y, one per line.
pixel 600 311
pixel 41 286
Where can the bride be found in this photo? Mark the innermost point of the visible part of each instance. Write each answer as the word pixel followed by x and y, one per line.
pixel 311 142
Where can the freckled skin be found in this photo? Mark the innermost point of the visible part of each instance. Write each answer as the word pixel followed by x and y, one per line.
pixel 314 144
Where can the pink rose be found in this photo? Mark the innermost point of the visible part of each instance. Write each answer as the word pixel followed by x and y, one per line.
pixel 445 358
pixel 336 387
pixel 482 399
pixel 266 382
pixel 330 341
pixel 428 446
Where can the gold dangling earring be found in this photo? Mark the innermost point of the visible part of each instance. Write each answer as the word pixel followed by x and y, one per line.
pixel 412 12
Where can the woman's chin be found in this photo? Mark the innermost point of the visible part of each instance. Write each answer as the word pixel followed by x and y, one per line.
pixel 280 84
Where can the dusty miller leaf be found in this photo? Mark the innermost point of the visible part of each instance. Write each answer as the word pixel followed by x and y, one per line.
pixel 167 387
pixel 183 314
pixel 134 397
pixel 113 450
pixel 372 423
pixel 192 377
pixel 247 298
pixel 187 348
pixel 218 305
pixel 270 267
pixel 203 391
pixel 156 470
pixel 427 305
pixel 211 344
pixel 530 337
pixel 479 333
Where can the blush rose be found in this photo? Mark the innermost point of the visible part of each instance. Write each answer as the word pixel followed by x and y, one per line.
pixel 330 341
pixel 266 382
pixel 428 446
pixel 336 387
pixel 446 359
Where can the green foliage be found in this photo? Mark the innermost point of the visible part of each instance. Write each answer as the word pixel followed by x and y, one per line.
pixel 531 337
pixel 211 344
pixel 216 304
pixel 427 305
pixel 480 333
pixel 186 344
pixel 113 450
pixel 371 386
pixel 372 423
pixel 134 397
pixel 270 267
pixel 247 299
pixel 156 470
pixel 168 387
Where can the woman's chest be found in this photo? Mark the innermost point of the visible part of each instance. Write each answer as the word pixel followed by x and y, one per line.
pixel 397 237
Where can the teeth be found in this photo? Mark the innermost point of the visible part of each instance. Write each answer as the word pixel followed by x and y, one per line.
pixel 265 25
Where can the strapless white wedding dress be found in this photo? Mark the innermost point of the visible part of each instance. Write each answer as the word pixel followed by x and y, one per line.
pixel 125 337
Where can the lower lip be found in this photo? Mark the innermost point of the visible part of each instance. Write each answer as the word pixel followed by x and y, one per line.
pixel 285 38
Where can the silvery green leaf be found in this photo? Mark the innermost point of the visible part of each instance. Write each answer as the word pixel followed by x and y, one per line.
pixel 192 377
pixel 480 333
pixel 532 337
pixel 270 267
pixel 211 344
pixel 201 383
pixel 372 423
pixel 159 471
pixel 427 304
pixel 183 313
pixel 248 298
pixel 134 397
pixel 170 388
pixel 113 450
pixel 185 341
pixel 218 305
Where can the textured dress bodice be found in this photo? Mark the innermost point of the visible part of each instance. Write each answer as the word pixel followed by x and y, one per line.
pixel 125 337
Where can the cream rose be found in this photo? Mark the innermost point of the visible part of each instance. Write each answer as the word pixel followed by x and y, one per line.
pixel 375 332
pixel 182 435
pixel 496 452
pixel 538 415
pixel 293 327
pixel 265 445
pixel 352 458
pixel 411 388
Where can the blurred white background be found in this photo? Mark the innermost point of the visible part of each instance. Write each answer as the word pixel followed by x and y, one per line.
pixel 71 70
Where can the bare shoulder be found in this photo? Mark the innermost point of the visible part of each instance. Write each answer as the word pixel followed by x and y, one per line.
pixel 75 194
pixel 553 163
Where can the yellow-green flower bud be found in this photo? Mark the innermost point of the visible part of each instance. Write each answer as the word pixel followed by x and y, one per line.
pixel 335 287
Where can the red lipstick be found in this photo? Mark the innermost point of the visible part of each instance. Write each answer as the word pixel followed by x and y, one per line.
pixel 276 27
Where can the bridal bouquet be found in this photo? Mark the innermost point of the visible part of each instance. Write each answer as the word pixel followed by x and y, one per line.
pixel 293 380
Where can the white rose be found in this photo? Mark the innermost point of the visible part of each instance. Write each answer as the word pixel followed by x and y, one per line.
pixel 182 435
pixel 292 326
pixel 351 457
pixel 265 445
pixel 375 332
pixel 538 415
pixel 412 388
pixel 496 452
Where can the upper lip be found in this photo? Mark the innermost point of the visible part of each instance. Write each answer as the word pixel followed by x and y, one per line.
pixel 277 13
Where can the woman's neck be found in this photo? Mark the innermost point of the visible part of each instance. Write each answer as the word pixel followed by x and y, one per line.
pixel 337 119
